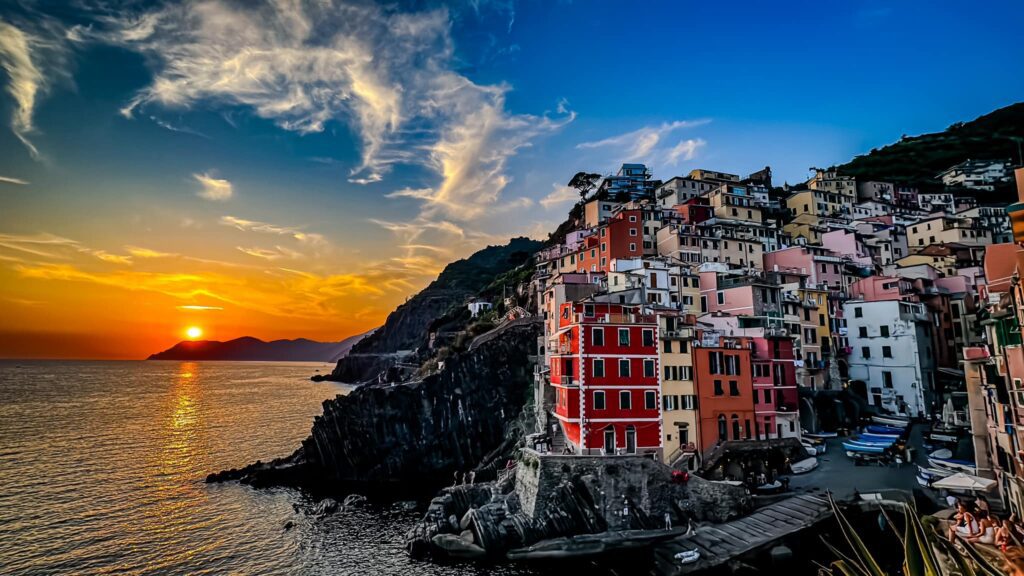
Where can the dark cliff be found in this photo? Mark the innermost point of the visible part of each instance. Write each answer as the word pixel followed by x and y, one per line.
pixel 407 327
pixel 411 437
pixel 424 431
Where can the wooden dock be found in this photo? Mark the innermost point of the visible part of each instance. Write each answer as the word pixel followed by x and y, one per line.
pixel 719 543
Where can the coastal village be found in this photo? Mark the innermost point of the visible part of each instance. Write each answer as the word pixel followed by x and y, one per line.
pixel 733 329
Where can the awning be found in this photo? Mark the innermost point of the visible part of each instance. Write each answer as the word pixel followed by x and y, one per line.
pixel 962 481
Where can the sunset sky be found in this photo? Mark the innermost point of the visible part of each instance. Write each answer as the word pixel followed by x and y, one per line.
pixel 296 169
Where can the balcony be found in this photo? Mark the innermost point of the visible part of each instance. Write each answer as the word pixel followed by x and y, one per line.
pixel 678 334
pixel 776 332
pixel 568 382
pixel 563 348
pixel 615 319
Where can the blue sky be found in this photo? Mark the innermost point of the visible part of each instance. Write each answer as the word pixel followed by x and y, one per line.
pixel 395 138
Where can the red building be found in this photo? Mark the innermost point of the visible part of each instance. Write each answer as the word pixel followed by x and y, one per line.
pixel 723 378
pixel 604 368
pixel 622 236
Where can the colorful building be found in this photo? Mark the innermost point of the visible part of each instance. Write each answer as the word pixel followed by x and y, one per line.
pixel 604 369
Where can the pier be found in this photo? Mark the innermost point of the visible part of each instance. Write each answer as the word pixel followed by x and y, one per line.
pixel 720 543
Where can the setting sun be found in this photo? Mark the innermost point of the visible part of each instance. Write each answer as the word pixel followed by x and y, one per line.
pixel 194 332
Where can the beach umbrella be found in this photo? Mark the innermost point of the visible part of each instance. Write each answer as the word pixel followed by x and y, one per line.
pixel 961 481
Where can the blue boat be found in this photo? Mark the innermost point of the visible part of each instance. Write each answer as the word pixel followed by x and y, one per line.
pixel 878 438
pixel 868 439
pixel 884 430
pixel 856 447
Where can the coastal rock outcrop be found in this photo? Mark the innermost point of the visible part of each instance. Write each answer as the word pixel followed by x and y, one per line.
pixel 412 437
pixel 423 432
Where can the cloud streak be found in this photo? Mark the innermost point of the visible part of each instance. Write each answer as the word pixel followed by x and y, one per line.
pixel 215 189
pixel 15 181
pixel 25 81
pixel 649 144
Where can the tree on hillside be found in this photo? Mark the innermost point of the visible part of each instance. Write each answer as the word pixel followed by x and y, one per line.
pixel 584 182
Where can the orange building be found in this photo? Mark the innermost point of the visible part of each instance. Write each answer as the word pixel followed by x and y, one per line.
pixel 723 378
pixel 622 236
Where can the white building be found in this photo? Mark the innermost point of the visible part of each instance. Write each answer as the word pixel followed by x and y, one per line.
pixel 938 202
pixel 680 189
pixel 891 353
pixel 478 306
pixel 979 174
pixel 657 279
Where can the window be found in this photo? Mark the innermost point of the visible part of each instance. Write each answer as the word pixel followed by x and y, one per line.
pixel 598 367
pixel 666 346
pixel 735 427
pixel 689 402
pixel 597 335
pixel 734 388
pixel 886 351
pixel 863 331
pixel 767 396
pixel 588 310
pixel 648 337
pixel 649 369
pixel 858 313
pixel 632 231
pixel 885 330
pixel 651 400
pixel 721 297
pixel 623 336
pixel 685 373
pixel 887 379
pixel 632 246
pixel 718 388
pixel 625 400
pixel 866 351
pixel 599 400
pixel 821 319
pixel 624 367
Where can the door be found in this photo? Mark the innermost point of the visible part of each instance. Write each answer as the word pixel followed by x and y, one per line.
pixel 630 440
pixel 609 440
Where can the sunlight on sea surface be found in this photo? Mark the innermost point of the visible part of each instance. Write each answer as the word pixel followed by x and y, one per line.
pixel 102 467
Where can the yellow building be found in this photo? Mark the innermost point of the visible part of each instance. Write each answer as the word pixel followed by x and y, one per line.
pixel 816 337
pixel 680 424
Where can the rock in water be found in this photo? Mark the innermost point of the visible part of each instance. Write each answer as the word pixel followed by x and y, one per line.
pixel 456 547
pixel 353 500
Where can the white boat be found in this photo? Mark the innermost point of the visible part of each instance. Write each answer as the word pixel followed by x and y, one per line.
pixel 811 450
pixel 942 454
pixel 933 473
pixel 821 435
pixel 804 466
pixel 953 465
pixel 688 556
pixel 851 446
pixel 894 421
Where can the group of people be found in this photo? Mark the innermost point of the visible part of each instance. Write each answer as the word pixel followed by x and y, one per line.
pixel 975 523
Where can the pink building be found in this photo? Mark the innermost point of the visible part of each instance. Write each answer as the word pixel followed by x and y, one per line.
pixel 876 288
pixel 821 265
pixel 846 243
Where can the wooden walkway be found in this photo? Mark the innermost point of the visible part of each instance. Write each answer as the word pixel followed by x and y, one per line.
pixel 719 543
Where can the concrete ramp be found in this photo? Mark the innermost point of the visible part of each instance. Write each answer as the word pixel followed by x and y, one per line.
pixel 719 543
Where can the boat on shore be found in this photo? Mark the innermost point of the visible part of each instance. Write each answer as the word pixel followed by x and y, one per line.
pixel 882 430
pixel 804 466
pixel 852 448
pixel 892 421
pixel 867 441
pixel 821 435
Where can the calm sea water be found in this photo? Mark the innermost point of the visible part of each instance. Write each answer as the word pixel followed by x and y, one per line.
pixel 102 467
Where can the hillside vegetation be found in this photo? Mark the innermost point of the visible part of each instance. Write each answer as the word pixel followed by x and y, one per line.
pixel 917 159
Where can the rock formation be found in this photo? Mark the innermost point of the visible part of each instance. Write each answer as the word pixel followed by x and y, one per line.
pixel 412 437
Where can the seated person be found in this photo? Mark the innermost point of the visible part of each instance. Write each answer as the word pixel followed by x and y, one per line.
pixel 986 530
pixel 964 523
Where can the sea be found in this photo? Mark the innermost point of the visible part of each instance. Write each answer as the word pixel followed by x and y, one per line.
pixel 102 468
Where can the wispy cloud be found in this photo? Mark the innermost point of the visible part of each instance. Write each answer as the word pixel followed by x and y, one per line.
pixel 560 194
pixel 140 252
pixel 216 189
pixel 302 236
pixel 199 308
pixel 386 71
pixel 652 144
pixel 15 181
pixel 276 253
pixel 25 81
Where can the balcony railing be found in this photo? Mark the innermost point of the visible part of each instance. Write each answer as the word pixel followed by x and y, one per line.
pixel 568 382
pixel 616 318
pixel 678 333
